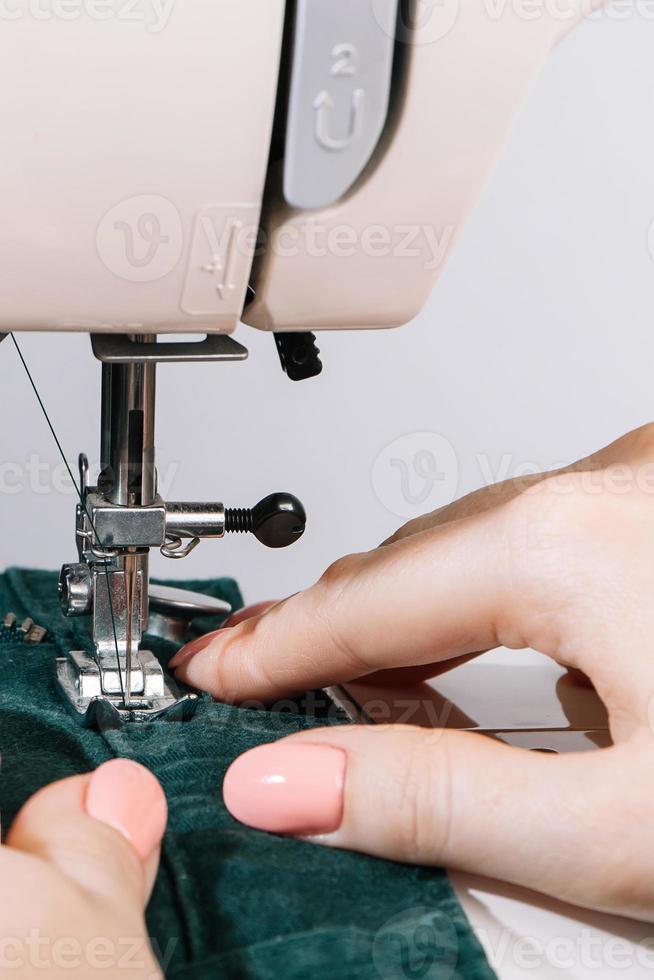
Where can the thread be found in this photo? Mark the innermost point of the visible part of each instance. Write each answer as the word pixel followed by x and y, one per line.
pixel 81 499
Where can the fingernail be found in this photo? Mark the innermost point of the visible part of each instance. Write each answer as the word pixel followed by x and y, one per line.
pixel 287 788
pixel 126 796
pixel 249 612
pixel 190 650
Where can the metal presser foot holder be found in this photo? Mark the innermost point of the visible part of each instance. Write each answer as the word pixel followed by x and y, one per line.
pixel 120 520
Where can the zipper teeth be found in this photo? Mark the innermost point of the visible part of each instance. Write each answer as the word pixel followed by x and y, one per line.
pixel 15 633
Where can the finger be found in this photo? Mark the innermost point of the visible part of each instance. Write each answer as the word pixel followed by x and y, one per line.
pixel 414 675
pixel 242 616
pixel 486 498
pixel 462 801
pixel 257 609
pixel 102 830
pixel 399 675
pixel 220 654
pixel 392 676
pixel 435 596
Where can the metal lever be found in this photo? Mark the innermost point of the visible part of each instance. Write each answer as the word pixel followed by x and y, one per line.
pixel 113 348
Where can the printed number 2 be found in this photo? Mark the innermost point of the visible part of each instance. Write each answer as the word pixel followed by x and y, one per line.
pixel 344 56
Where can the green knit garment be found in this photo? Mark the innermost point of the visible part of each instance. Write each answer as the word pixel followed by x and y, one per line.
pixel 229 901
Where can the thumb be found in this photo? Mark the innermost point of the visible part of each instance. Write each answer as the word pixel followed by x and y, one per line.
pixel 458 800
pixel 102 831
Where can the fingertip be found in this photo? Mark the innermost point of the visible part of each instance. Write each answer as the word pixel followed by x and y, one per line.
pixel 197 669
pixel 288 787
pixel 126 796
pixel 249 612
pixel 191 649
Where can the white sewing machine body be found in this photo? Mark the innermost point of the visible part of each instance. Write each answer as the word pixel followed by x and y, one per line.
pixel 137 168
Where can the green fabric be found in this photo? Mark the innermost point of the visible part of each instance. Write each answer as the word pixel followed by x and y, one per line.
pixel 229 901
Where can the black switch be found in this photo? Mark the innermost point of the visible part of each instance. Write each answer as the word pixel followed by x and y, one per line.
pixel 299 355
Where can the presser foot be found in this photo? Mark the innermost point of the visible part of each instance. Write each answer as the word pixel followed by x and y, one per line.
pixel 96 695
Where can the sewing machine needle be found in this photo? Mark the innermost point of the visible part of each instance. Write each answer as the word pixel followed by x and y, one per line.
pixel 130 590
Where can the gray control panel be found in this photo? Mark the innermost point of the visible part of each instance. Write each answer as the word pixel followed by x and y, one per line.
pixel 339 97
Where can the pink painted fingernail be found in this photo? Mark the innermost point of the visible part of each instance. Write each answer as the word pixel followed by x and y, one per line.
pixel 288 788
pixel 191 649
pixel 249 612
pixel 126 796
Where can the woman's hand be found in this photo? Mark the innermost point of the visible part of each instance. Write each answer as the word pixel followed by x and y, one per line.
pixel 76 874
pixel 563 563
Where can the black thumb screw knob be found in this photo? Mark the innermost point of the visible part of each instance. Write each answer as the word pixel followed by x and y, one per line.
pixel 277 521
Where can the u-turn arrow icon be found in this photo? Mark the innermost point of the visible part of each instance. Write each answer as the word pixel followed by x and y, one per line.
pixel 323 106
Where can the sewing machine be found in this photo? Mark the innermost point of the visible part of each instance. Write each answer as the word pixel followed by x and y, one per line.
pixel 178 168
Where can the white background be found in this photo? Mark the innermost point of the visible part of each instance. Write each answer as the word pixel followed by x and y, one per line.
pixel 537 346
